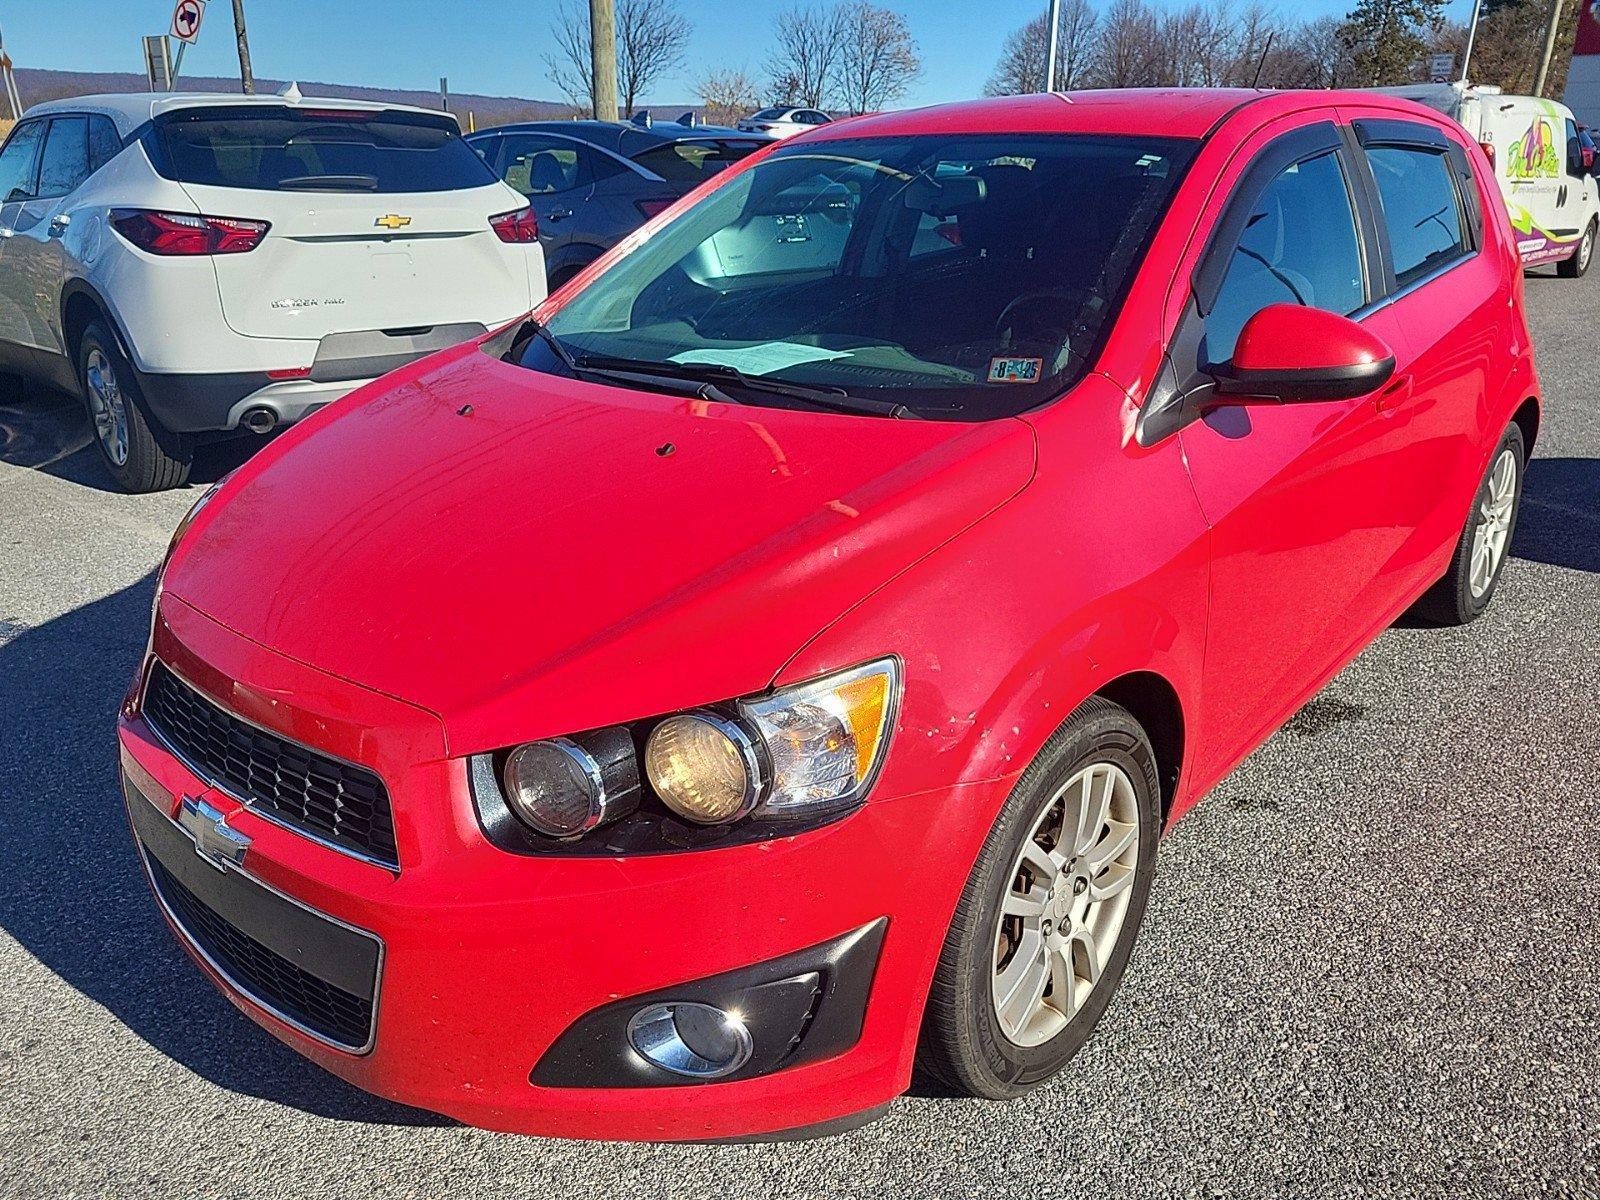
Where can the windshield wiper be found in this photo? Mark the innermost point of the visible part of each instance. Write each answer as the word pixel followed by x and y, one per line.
pixel 823 397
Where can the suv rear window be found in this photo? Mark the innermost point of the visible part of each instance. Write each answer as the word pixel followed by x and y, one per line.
pixel 267 148
pixel 693 162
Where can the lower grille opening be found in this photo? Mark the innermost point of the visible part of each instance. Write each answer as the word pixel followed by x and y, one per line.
pixel 264 975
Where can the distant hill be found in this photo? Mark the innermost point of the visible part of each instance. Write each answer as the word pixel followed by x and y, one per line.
pixel 38 86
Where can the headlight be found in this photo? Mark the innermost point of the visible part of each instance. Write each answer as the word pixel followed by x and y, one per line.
pixel 563 787
pixel 825 739
pixel 703 768
pixel 796 754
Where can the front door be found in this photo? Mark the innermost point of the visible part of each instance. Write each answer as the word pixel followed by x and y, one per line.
pixel 1299 503
pixel 19 170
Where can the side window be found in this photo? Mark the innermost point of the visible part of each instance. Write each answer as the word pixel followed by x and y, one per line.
pixel 1299 246
pixel 538 166
pixel 1574 150
pixel 486 148
pixel 1421 208
pixel 18 160
pixel 65 163
pixel 104 144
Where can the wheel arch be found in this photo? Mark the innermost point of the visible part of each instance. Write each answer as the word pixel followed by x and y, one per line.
pixel 1153 702
pixel 81 304
pixel 1527 418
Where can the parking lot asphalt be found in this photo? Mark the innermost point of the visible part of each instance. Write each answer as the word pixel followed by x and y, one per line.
pixel 1371 965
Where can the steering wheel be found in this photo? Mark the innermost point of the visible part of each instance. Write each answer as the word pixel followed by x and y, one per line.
pixel 1072 297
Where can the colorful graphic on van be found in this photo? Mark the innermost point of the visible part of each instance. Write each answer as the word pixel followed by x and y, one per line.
pixel 1536 245
pixel 1533 155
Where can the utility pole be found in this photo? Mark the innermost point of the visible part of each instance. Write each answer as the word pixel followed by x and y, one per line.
pixel 602 58
pixel 1051 43
pixel 247 81
pixel 1472 36
pixel 1549 47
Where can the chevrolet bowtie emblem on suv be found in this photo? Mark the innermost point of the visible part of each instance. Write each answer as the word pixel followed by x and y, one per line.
pixel 392 221
pixel 213 840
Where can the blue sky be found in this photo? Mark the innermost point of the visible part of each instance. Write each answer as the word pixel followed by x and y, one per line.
pixel 489 46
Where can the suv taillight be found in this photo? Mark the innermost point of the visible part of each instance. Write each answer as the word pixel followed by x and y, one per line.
pixel 519 225
pixel 185 233
pixel 1488 150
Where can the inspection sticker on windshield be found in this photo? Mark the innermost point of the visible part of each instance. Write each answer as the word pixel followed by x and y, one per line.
pixel 1015 370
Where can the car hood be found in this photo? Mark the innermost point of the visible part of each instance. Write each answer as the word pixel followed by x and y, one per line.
pixel 525 555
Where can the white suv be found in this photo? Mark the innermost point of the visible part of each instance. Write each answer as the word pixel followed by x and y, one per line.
pixel 199 264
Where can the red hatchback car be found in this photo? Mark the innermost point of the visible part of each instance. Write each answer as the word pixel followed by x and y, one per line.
pixel 771 665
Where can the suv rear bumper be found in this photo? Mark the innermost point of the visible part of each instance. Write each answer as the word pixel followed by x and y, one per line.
pixel 185 403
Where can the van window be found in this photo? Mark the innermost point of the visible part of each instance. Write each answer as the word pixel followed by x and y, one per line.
pixel 1299 246
pixel 1421 208
pixel 268 148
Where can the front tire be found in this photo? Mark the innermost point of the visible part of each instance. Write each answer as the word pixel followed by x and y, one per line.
pixel 1481 552
pixel 1578 265
pixel 1047 921
pixel 141 456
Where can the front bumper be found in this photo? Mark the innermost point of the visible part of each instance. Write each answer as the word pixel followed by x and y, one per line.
pixel 489 960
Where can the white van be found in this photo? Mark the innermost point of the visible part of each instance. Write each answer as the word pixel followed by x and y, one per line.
pixel 1544 166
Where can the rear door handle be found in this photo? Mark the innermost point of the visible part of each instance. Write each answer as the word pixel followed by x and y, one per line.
pixel 1395 394
pixel 558 214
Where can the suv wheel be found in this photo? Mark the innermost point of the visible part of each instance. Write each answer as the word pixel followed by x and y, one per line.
pixel 141 456
pixel 1047 921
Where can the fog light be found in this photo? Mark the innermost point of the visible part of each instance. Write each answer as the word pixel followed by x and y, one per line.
pixel 695 1040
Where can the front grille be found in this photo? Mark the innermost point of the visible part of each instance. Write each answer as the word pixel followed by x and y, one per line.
pixel 344 805
pixel 266 976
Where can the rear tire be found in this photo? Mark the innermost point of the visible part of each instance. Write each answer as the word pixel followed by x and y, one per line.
pixel 1469 585
pixel 988 1030
pixel 1578 265
pixel 139 453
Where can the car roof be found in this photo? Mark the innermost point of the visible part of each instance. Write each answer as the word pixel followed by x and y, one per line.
pixel 1171 112
pixel 132 109
pixel 621 137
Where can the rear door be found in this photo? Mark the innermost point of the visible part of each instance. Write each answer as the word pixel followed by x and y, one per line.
pixel 1530 160
pixel 1444 295
pixel 557 175
pixel 378 220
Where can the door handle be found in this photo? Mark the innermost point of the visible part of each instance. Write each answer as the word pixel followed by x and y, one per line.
pixel 558 214
pixel 1395 394
pixel 59 223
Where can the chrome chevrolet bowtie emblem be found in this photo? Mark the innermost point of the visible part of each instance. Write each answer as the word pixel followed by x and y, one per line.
pixel 219 845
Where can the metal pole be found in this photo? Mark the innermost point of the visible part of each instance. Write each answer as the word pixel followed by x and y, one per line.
pixel 603 58
pixel 1051 43
pixel 177 65
pixel 1472 36
pixel 1549 48
pixel 247 79
pixel 444 93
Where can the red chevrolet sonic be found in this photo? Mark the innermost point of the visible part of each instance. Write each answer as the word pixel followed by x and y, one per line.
pixel 770 666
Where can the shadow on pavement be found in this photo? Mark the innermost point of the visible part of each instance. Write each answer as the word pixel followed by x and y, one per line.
pixel 1560 519
pixel 71 891
pixel 48 431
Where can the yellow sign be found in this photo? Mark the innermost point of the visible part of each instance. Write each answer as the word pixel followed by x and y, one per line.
pixel 392 221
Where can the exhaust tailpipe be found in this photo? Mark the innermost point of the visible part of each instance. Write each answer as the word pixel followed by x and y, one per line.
pixel 260 420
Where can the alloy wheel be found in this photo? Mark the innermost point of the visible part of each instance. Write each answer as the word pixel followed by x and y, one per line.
pixel 1493 528
pixel 1586 249
pixel 1065 904
pixel 107 406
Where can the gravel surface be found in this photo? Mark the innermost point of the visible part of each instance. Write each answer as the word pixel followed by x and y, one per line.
pixel 1371 965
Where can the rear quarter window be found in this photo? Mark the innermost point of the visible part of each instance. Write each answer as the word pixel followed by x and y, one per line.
pixel 284 149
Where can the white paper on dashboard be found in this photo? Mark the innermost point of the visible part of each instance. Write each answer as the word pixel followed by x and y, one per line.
pixel 759 360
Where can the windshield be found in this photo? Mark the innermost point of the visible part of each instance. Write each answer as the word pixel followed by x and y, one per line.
pixel 962 277
pixel 264 147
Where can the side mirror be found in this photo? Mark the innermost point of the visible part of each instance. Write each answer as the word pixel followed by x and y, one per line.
pixel 1288 353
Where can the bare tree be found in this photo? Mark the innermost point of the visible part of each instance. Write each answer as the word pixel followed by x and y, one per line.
pixel 1128 50
pixel 727 95
pixel 651 39
pixel 1021 66
pixel 877 58
pixel 805 60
